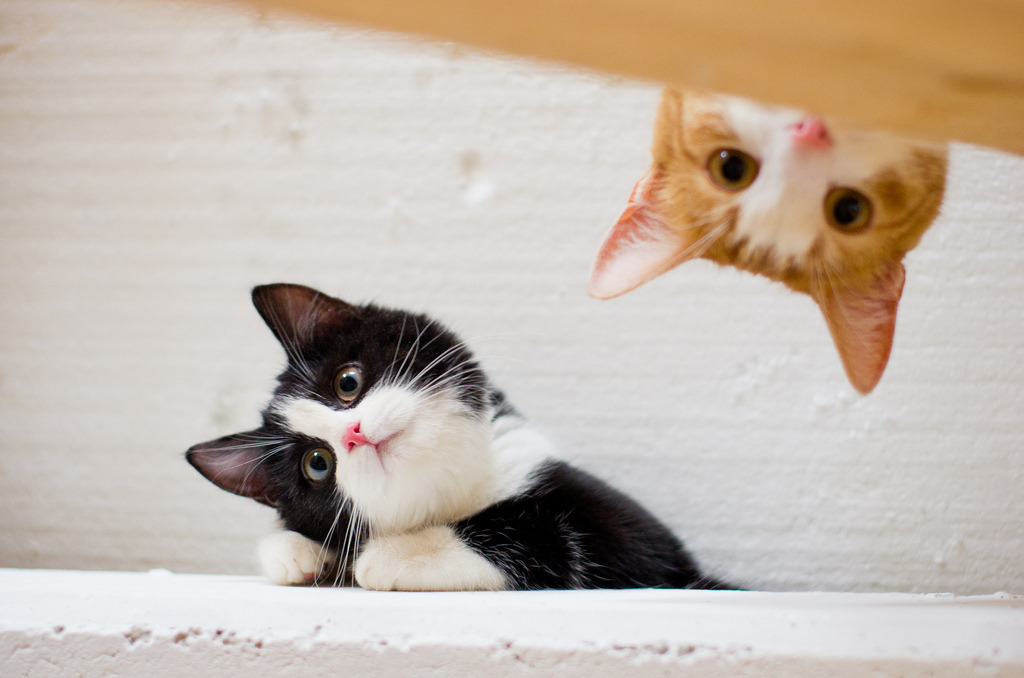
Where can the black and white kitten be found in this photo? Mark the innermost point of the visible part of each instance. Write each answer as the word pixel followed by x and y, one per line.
pixel 391 458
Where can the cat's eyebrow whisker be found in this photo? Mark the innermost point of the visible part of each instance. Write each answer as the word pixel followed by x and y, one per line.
pixel 305 369
pixel 416 348
pixel 290 344
pixel 402 374
pixel 414 351
pixel 425 346
pixel 410 356
pixel 454 375
pixel 459 367
pixel 291 348
pixel 398 345
pixel 457 347
pixel 451 379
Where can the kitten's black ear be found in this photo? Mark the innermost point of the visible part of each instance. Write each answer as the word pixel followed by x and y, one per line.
pixel 295 312
pixel 235 463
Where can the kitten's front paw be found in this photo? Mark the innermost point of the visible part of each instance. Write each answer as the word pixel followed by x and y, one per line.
pixel 378 566
pixel 431 559
pixel 289 558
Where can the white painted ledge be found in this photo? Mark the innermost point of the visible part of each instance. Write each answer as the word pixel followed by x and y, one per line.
pixel 103 623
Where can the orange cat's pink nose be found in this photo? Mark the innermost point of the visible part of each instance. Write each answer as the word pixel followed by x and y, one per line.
pixel 811 133
pixel 353 437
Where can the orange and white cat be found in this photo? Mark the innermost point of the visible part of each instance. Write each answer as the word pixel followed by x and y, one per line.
pixel 825 210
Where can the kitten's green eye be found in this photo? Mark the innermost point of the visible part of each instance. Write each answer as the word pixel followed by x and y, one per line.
pixel 348 383
pixel 731 169
pixel 847 210
pixel 317 464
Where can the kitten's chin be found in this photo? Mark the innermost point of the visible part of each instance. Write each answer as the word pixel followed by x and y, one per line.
pixel 396 497
pixel 380 450
pixel 439 468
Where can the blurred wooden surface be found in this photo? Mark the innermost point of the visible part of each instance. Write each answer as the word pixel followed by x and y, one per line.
pixel 939 69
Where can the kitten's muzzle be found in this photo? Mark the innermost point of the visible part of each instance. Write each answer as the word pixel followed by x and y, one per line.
pixel 353 437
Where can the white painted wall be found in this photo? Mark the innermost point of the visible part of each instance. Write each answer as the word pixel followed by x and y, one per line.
pixel 157 159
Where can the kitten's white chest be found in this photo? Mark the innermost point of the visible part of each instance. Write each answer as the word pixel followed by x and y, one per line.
pixel 519 449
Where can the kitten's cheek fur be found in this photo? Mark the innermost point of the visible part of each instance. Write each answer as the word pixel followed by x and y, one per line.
pixel 288 558
pixel 431 559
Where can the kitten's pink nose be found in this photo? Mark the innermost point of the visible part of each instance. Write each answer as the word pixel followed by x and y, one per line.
pixel 811 133
pixel 353 437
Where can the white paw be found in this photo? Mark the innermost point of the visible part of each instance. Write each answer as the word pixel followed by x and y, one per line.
pixel 289 558
pixel 431 559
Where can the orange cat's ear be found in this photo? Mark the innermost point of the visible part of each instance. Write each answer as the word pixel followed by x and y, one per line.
pixel 862 323
pixel 640 246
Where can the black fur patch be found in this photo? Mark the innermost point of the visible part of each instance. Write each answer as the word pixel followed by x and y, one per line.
pixel 570 530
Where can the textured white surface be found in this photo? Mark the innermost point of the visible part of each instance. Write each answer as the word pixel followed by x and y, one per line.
pixel 158 159
pixel 104 623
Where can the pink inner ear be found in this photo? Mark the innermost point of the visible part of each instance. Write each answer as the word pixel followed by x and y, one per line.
pixel 234 463
pixel 862 324
pixel 640 246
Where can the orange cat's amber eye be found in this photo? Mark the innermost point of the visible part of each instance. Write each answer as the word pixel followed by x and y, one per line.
pixel 732 170
pixel 848 210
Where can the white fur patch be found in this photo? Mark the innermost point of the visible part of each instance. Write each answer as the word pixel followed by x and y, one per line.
pixel 289 558
pixel 431 559
pixel 432 462
pixel 519 449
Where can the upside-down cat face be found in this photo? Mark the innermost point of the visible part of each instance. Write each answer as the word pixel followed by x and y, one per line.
pixel 827 211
